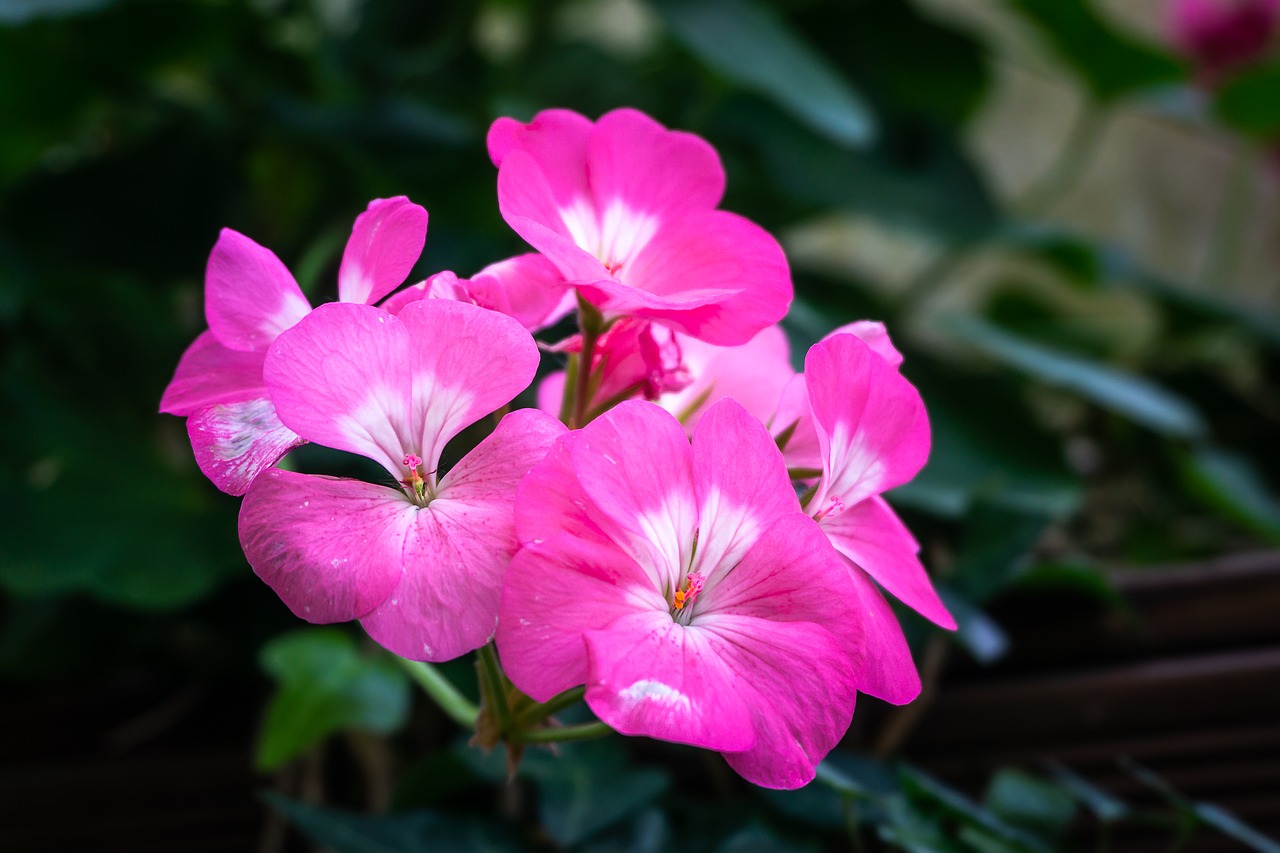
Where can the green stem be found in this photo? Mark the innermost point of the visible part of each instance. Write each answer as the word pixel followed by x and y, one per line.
pixel 496 686
pixel 566 397
pixel 625 394
pixel 590 321
pixel 554 705
pixel 444 694
pixel 556 734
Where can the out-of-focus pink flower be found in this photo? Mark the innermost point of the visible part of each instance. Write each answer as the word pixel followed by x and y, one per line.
pixel 626 209
pixel 420 565
pixel 250 298
pixel 1221 35
pixel 686 589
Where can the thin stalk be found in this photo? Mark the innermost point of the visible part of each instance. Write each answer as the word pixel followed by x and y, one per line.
pixel 625 394
pixel 557 734
pixel 453 703
pixel 590 321
pixel 496 686
pixel 566 397
pixel 554 705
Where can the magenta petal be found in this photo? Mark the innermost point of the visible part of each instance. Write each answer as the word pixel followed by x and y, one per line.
pixel 385 244
pixel 634 160
pixel 871 422
pixel 872 334
pixel 235 442
pixel 494 467
pixel 527 287
pixel 803 450
pixel 650 676
pixel 341 378
pixel 330 548
pixel 211 373
pixel 753 374
pixel 555 141
pixel 555 590
pixel 873 537
pixel 888 672
pixel 249 296
pixel 550 500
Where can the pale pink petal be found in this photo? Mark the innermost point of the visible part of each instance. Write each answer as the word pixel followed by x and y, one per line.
pixel 342 378
pixel 442 285
pixel 235 442
pixel 385 243
pixel 802 450
pixel 550 500
pixel 330 548
pixel 741 482
pixel 633 159
pixel 887 672
pixel 753 374
pixel 249 296
pixel 555 141
pixel 634 463
pixel 555 590
pixel 495 466
pixel 527 287
pixel 551 393
pixel 651 676
pixel 874 538
pixel 465 362
pixel 711 274
pixel 209 373
pixel 871 422
pixel 804 688
pixel 872 334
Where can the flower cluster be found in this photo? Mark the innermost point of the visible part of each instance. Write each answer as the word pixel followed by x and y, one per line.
pixel 684 528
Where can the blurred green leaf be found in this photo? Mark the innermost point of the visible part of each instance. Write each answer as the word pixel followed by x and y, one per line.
pixel 1083 577
pixel 1104 806
pixel 1031 803
pixel 415 832
pixel 1230 483
pixel 1231 826
pixel 922 787
pixel 1110 62
pixel 997 544
pixel 1250 101
pixel 976 632
pixel 1134 397
pixel 755 838
pixel 748 43
pixel 326 686
pixel 17 12
pixel 648 832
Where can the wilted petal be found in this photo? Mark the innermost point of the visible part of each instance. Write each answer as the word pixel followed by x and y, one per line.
pixel 385 243
pixel 250 297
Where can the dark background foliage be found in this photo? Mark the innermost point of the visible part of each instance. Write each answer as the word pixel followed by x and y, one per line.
pixel 1103 394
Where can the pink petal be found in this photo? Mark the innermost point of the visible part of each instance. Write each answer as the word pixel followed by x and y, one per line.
pixel 330 548
pixel 633 159
pixel 741 481
pixel 385 243
pixel 555 590
pixel 442 285
pixel 556 141
pixel 802 450
pixel 888 672
pixel 209 373
pixel 650 676
pixel 526 287
pixel 249 296
pixel 494 467
pixel 342 378
pixel 550 501
pixel 872 334
pixel 871 422
pixel 551 393
pixel 711 275
pixel 235 442
pixel 874 538
pixel 753 374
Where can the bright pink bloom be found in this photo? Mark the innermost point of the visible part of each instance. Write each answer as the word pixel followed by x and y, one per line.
pixel 1222 35
pixel 250 298
pixel 872 434
pixel 626 209
pixel 420 565
pixel 685 588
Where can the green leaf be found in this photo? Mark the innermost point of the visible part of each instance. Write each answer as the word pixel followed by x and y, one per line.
pixel 1230 483
pixel 755 838
pixel 1231 826
pixel 416 832
pixel 1110 62
pixel 998 539
pixel 1105 807
pixel 924 788
pixel 1079 577
pixel 748 43
pixel 1029 802
pixel 1134 397
pixel 326 686
pixel 1250 101
pixel 976 632
pixel 18 12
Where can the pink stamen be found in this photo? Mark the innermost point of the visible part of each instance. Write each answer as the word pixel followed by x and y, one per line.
pixel 834 508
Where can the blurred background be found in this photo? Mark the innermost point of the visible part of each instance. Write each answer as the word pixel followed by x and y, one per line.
pixel 1066 212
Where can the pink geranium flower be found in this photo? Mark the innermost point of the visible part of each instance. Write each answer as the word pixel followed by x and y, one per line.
pixel 685 588
pixel 1222 35
pixel 626 209
pixel 872 434
pixel 250 298
pixel 420 563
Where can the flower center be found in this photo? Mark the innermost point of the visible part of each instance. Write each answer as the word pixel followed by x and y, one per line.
pixel 682 601
pixel 835 507
pixel 416 483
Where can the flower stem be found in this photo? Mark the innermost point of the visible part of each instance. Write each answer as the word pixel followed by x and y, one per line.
pixel 591 323
pixel 496 686
pixel 444 694
pixel 538 713
pixel 556 734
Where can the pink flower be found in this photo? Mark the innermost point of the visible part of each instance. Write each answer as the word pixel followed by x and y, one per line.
pixel 626 209
pixel 685 588
pixel 420 564
pixel 1222 35
pixel 250 298
pixel 872 435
